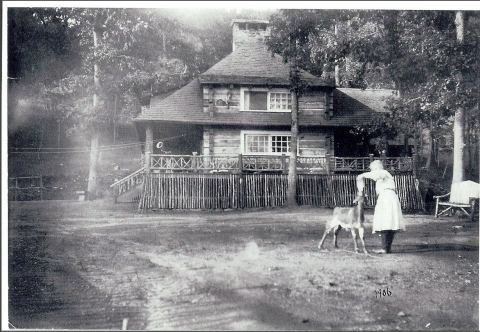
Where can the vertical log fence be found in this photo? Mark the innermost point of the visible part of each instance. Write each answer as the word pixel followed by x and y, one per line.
pixel 239 191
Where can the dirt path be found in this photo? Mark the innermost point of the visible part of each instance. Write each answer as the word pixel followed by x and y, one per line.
pixel 89 266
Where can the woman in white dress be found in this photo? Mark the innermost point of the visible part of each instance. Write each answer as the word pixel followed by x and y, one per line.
pixel 387 218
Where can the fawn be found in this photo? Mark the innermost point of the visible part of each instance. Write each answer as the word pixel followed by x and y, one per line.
pixel 349 218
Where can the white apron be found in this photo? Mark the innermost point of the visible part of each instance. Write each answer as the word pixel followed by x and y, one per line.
pixel 388 212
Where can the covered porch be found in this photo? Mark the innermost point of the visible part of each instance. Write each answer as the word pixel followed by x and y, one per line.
pixel 177 148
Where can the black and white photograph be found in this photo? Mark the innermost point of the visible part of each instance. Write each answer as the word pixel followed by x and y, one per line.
pixel 240 165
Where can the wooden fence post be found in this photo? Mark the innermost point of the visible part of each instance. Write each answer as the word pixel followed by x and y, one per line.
pixel 241 191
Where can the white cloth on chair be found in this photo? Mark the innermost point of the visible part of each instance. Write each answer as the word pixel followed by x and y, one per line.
pixel 462 191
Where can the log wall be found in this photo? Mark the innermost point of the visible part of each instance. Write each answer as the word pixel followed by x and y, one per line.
pixel 220 142
pixel 311 102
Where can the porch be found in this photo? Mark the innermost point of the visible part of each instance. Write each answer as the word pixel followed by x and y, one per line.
pixel 254 165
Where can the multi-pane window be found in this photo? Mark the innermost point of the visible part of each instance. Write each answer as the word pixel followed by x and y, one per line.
pixel 256 143
pixel 280 101
pixel 266 101
pixel 266 144
pixel 280 144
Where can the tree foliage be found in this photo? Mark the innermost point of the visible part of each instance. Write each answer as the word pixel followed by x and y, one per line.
pixel 140 54
pixel 413 52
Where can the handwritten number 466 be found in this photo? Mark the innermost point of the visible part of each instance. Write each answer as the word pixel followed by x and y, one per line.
pixel 382 292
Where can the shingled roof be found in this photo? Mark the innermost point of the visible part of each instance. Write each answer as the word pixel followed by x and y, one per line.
pixel 351 106
pixel 352 100
pixel 253 63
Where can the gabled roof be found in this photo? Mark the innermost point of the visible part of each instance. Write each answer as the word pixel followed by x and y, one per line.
pixel 184 105
pixel 351 106
pixel 253 63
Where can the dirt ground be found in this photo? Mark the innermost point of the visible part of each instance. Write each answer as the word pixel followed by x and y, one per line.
pixel 93 265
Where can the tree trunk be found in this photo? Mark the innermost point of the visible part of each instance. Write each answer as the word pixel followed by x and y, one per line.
pixel 459 121
pixel 337 67
pixel 115 120
pixel 292 165
pixel 415 142
pixel 428 163
pixel 92 172
pixel 458 145
pixel 92 189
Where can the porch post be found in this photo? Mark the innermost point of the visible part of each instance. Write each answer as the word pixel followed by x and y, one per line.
pixel 327 163
pixel 240 163
pixel 148 145
pixel 194 162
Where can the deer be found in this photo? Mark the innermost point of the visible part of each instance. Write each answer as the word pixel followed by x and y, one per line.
pixel 349 218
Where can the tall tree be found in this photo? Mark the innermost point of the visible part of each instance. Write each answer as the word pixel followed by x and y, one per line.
pixel 295 27
pixel 95 135
pixel 459 119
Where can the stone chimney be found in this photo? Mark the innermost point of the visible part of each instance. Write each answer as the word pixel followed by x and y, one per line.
pixel 248 30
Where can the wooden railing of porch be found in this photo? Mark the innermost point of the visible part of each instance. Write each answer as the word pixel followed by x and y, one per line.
pixel 267 163
pixel 128 183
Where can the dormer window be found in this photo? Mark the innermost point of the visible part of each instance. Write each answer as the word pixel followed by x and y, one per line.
pixel 265 100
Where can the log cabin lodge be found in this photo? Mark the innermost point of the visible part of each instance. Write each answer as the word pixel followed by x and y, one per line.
pixel 235 119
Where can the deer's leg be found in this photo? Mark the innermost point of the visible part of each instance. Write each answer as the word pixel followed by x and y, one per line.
pixel 354 235
pixel 361 232
pixel 335 235
pixel 327 230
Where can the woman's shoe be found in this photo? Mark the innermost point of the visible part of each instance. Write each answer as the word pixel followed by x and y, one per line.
pixel 379 251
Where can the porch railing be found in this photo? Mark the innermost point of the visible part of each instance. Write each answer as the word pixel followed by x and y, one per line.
pixel 395 164
pixel 128 183
pixel 268 163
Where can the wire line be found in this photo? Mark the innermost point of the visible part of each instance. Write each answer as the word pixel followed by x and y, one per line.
pixel 77 150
